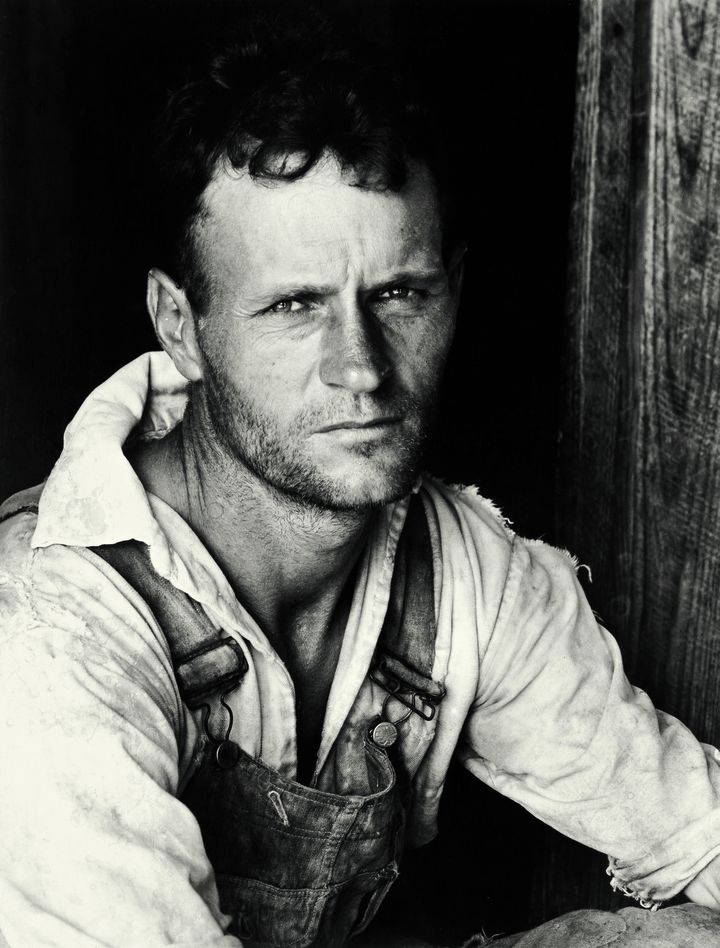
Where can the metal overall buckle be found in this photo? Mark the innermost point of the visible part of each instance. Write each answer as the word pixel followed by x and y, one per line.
pixel 225 752
pixel 383 732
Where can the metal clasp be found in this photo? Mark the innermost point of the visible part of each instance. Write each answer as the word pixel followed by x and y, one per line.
pixel 419 702
pixel 226 753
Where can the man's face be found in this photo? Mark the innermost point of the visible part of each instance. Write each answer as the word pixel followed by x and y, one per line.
pixel 330 319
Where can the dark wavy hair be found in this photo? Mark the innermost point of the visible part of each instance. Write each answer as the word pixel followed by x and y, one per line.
pixel 273 103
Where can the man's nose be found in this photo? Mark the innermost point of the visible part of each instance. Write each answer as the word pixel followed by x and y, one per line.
pixel 353 354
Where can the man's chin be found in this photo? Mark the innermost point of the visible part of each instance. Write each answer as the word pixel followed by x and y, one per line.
pixel 355 491
pixel 369 499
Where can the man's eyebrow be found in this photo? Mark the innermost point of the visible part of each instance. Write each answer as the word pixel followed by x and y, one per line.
pixel 418 277
pixel 290 291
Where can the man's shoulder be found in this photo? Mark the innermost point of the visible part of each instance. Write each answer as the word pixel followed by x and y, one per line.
pixel 44 572
pixel 71 600
pixel 23 500
pixel 52 575
pixel 468 520
pixel 464 505
pixel 18 516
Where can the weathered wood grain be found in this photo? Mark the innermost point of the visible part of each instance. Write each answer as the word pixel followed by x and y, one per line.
pixel 639 497
pixel 641 452
pixel 676 494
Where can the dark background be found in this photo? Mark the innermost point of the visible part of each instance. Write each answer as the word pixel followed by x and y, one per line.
pixel 80 82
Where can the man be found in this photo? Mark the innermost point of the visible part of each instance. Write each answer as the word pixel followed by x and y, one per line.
pixel 243 637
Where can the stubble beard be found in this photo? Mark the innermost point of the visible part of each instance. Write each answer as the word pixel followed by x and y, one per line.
pixel 281 459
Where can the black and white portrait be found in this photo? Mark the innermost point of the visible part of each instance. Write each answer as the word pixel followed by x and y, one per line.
pixel 360 479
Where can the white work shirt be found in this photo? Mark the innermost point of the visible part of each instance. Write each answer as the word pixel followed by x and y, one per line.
pixel 95 847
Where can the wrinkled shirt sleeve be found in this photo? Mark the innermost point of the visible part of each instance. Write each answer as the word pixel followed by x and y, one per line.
pixel 96 849
pixel 557 727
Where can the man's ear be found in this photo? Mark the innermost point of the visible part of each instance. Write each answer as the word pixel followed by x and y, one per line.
pixel 174 324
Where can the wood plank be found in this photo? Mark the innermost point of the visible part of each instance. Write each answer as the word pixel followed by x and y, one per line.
pixel 677 490
pixel 639 496
pixel 593 449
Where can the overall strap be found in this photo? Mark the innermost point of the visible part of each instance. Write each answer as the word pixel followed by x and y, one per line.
pixel 405 654
pixel 205 661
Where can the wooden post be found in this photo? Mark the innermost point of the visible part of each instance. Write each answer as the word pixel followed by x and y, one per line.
pixel 639 498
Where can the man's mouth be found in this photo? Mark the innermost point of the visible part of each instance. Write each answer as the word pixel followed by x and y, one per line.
pixel 360 425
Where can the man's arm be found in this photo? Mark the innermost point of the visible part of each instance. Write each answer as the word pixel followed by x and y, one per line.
pixel 96 847
pixel 557 727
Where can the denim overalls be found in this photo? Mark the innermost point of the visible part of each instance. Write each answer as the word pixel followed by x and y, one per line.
pixel 298 866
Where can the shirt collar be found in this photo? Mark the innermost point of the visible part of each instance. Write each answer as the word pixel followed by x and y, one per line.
pixel 92 495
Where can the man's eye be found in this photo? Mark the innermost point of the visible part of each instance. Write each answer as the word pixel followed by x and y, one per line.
pixel 396 293
pixel 405 295
pixel 286 306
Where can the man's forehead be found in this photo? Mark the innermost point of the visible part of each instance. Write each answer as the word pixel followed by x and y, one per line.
pixel 320 219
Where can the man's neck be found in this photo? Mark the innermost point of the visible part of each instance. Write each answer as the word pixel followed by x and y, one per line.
pixel 288 562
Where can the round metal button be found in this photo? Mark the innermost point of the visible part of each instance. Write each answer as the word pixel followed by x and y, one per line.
pixel 384 734
pixel 227 754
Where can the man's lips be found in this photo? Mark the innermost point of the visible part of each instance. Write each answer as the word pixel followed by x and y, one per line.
pixel 360 424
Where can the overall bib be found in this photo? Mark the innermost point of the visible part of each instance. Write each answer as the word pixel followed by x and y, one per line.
pixel 298 866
